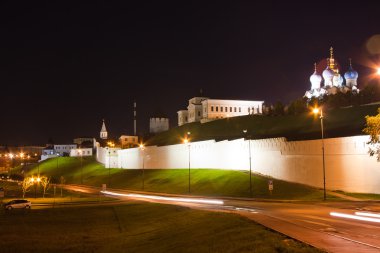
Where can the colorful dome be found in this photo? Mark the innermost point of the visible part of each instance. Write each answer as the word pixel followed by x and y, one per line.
pixel 328 73
pixel 351 73
pixel 315 77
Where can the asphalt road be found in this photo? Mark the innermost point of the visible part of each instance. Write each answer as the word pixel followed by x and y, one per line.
pixel 307 222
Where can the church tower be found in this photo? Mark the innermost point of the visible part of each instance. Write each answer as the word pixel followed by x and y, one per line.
pixel 103 132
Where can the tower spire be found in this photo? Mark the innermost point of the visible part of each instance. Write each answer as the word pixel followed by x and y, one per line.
pixel 331 53
pixel 315 67
pixel 103 131
pixel 350 60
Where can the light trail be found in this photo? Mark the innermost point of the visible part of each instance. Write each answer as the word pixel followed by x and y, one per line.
pixel 354 217
pixel 375 215
pixel 174 199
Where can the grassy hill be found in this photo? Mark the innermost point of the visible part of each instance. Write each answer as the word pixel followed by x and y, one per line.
pixel 338 123
pixel 203 181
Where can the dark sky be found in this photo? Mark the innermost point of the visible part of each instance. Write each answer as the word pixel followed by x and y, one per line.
pixel 65 66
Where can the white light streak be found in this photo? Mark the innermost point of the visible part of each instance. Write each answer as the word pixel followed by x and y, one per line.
pixel 354 217
pixel 375 215
pixel 188 200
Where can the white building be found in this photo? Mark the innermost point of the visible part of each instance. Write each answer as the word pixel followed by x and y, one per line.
pixel 333 82
pixel 80 152
pixel 158 125
pixel 205 109
pixel 64 149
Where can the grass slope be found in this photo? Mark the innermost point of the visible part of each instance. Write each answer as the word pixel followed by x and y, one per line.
pixel 203 181
pixel 338 123
pixel 138 227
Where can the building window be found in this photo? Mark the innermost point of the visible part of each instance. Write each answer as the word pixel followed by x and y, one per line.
pixel 234 109
pixel 230 109
pixel 212 108
pixel 199 113
pixel 226 109
pixel 221 108
pixel 239 109
pixel 216 108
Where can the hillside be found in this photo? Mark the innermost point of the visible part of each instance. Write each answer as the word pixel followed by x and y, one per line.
pixel 206 182
pixel 338 123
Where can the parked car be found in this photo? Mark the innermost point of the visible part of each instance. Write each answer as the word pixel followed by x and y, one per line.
pixel 18 203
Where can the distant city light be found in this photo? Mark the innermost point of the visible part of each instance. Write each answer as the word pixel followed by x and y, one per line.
pixel 378 71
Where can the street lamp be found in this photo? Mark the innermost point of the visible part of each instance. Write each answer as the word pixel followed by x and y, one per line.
pixel 187 141
pixel 109 167
pixel 81 165
pixel 319 111
pixel 250 163
pixel 142 153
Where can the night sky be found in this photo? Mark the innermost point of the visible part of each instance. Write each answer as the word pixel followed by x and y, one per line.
pixel 64 67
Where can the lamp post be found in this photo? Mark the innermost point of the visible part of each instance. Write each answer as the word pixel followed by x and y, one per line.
pixel 81 165
pixel 109 168
pixel 317 111
pixel 186 141
pixel 142 153
pixel 250 163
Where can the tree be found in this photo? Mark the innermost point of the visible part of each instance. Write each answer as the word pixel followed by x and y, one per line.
pixel 26 184
pixel 297 106
pixel 45 182
pixel 373 130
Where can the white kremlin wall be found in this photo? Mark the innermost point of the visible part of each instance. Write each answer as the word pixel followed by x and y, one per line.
pixel 348 164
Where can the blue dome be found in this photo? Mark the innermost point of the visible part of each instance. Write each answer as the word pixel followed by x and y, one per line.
pixel 351 74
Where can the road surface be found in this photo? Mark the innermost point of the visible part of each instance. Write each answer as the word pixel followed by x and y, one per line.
pixel 307 222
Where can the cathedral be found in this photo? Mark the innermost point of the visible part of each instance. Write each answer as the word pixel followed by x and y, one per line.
pixel 333 82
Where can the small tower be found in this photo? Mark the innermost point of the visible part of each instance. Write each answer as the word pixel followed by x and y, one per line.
pixel 103 132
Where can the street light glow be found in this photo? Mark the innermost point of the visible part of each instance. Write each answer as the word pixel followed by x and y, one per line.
pixel 378 71
pixel 185 140
pixel 316 110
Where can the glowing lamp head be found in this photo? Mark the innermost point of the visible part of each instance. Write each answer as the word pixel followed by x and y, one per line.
pixel 185 141
pixel 38 179
pixel 316 110
pixel 378 71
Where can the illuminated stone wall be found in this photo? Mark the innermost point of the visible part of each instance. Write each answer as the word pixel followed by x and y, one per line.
pixel 348 165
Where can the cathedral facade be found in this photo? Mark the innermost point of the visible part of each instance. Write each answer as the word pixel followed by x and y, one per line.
pixel 331 81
